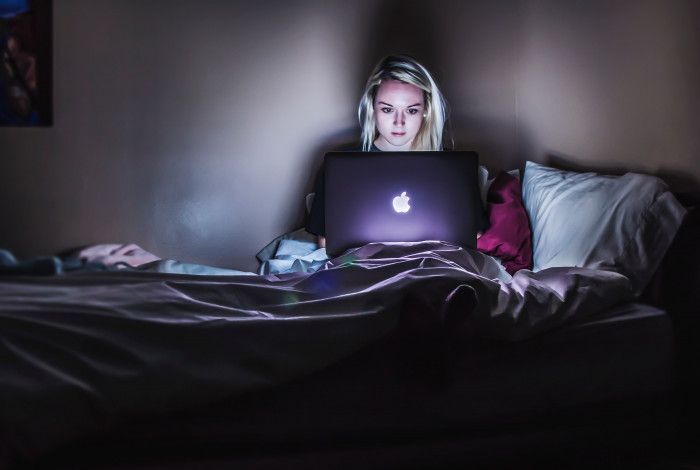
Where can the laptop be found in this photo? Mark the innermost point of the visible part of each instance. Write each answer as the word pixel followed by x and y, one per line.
pixel 400 197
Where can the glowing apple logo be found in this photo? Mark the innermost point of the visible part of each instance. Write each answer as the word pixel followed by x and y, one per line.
pixel 401 203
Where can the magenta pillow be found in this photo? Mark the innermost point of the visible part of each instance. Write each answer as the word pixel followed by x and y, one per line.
pixel 508 238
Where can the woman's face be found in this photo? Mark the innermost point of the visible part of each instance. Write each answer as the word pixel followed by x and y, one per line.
pixel 399 109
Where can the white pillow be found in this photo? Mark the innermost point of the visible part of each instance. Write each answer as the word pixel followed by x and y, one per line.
pixel 618 223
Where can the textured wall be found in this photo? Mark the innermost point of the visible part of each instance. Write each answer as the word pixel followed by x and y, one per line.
pixel 194 128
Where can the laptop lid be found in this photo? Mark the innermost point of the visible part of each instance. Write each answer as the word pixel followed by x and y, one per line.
pixel 400 197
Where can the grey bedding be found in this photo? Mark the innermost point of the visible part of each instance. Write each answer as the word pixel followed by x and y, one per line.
pixel 82 351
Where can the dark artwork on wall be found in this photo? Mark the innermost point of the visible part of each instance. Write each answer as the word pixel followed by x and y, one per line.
pixel 25 68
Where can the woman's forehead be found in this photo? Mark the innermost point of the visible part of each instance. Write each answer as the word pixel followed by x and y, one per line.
pixel 399 93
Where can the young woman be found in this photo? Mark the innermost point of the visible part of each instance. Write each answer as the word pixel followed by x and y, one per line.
pixel 400 109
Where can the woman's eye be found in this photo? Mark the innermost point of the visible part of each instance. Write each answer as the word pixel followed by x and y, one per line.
pixel 386 110
pixel 412 111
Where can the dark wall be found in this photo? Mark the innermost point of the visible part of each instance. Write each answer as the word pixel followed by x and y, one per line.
pixel 612 85
pixel 194 128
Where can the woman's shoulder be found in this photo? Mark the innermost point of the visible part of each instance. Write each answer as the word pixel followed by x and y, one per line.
pixel 373 148
pixel 358 148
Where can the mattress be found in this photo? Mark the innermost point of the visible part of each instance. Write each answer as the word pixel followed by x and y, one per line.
pixel 623 356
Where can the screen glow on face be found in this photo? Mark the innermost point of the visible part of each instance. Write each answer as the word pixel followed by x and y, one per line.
pixel 398 109
pixel 400 203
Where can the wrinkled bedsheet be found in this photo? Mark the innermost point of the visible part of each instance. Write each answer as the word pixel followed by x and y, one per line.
pixel 82 351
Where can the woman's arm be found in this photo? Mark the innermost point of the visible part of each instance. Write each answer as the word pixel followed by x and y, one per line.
pixel 316 221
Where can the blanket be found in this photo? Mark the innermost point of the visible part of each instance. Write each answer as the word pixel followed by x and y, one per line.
pixel 82 351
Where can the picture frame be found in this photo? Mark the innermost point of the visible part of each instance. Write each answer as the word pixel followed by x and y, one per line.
pixel 26 63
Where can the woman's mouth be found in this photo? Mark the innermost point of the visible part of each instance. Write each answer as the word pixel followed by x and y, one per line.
pixel 398 134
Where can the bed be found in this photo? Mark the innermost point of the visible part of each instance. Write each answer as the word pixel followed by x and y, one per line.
pixel 125 369
pixel 604 385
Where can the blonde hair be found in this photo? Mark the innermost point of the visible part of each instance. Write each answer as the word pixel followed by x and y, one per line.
pixel 405 69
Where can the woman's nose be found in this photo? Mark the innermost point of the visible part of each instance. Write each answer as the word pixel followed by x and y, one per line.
pixel 399 119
